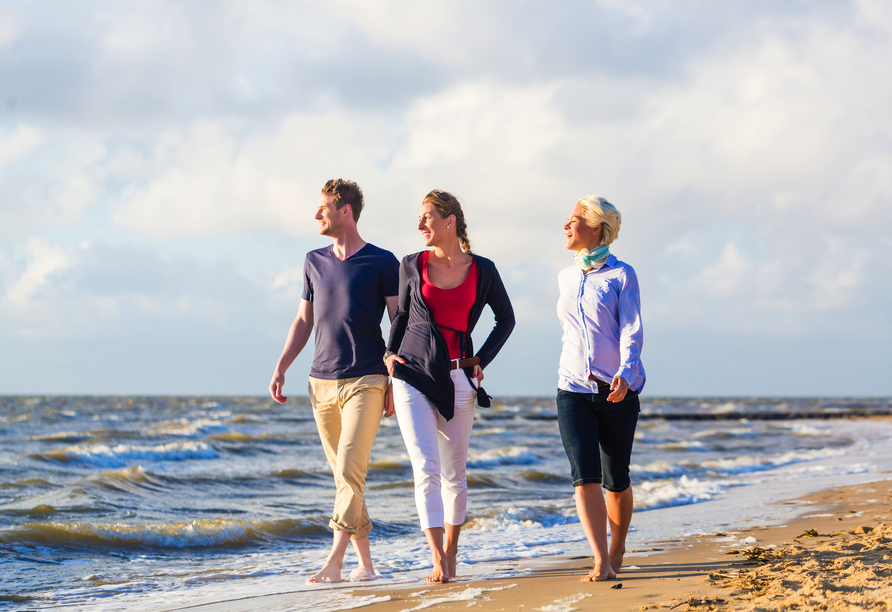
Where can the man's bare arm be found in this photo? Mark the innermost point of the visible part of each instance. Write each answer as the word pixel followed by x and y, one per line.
pixel 298 336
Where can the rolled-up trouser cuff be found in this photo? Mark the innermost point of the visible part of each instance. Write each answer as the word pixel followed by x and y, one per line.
pixel 431 520
pixel 355 534
pixel 583 481
pixel 617 490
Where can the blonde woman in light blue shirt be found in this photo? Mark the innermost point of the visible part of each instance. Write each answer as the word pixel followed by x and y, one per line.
pixel 599 378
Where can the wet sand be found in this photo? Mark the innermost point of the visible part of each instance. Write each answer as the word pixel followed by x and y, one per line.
pixel 837 556
pixel 834 556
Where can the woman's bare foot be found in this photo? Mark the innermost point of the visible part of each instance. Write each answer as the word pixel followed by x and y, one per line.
pixel 616 560
pixel 441 571
pixel 329 573
pixel 451 563
pixel 599 574
pixel 361 574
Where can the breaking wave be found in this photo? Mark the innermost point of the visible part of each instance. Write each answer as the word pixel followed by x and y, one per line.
pixel 120 455
pixel 195 534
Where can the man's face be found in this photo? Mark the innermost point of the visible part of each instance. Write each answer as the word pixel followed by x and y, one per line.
pixel 331 220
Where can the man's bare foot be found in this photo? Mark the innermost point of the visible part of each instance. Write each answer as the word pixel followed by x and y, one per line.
pixel 441 571
pixel 616 560
pixel 328 573
pixel 361 574
pixel 599 575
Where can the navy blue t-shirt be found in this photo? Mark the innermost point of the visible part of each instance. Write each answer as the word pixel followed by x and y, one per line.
pixel 348 303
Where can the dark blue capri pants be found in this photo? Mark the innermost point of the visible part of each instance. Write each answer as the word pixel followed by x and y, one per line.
pixel 598 436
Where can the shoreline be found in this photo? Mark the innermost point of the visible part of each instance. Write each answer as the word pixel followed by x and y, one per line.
pixel 677 577
pixel 698 572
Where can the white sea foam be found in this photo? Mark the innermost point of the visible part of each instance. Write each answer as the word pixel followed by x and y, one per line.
pixel 511 455
pixel 18 418
pixel 189 428
pixel 507 519
pixel 119 456
pixel 656 469
pixel 565 604
pixel 470 594
pixel 727 432
pixel 803 429
pixel 694 445
pixel 722 408
pixel 752 464
pixel 281 592
pixel 663 493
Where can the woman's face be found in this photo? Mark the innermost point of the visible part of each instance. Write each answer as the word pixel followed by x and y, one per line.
pixel 432 226
pixel 581 235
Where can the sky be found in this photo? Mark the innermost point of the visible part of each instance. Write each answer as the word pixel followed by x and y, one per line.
pixel 160 164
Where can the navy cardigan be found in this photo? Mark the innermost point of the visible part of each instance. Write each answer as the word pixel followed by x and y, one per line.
pixel 416 338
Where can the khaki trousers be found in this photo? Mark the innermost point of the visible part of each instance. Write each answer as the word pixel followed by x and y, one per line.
pixel 348 412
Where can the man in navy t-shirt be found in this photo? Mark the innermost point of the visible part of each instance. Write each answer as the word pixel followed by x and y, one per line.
pixel 347 287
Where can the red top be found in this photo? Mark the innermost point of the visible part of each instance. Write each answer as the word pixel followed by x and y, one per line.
pixel 450 307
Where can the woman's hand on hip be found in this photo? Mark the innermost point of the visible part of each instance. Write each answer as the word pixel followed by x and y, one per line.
pixel 478 374
pixel 618 388
pixel 389 361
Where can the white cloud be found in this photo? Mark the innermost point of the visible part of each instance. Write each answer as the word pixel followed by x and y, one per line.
pixel 838 276
pixel 18 144
pixel 436 30
pixel 727 277
pixel 748 148
pixel 45 261
pixel 50 178
pixel 289 280
pixel 206 182
pixel 8 29
pixel 64 290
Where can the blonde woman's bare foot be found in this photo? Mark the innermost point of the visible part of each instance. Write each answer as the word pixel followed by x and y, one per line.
pixel 599 575
pixel 441 571
pixel 616 560
pixel 328 573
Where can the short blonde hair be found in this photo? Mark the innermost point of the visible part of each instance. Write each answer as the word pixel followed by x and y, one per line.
pixel 597 210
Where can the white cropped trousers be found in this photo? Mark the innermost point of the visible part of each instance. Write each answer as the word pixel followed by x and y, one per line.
pixel 438 450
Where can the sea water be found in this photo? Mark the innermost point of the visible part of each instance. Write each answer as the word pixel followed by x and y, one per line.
pixel 155 503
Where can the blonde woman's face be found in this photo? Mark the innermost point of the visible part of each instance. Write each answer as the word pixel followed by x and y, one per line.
pixel 580 235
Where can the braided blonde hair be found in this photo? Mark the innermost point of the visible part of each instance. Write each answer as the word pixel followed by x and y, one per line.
pixel 447 204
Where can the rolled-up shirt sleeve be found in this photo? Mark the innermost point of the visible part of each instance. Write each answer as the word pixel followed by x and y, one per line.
pixel 600 314
pixel 631 332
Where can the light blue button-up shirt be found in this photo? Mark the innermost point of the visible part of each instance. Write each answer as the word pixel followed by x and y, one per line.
pixel 600 313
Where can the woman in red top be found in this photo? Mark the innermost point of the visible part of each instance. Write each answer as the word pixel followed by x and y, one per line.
pixel 442 293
